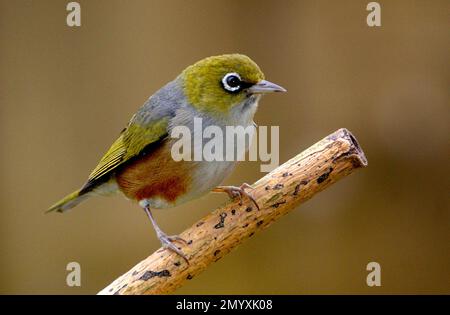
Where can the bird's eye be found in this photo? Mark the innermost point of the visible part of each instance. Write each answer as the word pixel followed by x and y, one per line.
pixel 231 82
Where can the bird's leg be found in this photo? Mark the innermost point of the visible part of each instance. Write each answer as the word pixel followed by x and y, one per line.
pixel 234 192
pixel 166 240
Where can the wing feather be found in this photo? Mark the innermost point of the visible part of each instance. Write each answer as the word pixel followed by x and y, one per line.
pixel 131 142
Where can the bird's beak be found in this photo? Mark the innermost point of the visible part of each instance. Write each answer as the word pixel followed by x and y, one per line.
pixel 264 86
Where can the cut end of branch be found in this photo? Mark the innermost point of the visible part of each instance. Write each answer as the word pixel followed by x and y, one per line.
pixel 356 150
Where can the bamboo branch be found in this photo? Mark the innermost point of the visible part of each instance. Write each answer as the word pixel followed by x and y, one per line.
pixel 219 232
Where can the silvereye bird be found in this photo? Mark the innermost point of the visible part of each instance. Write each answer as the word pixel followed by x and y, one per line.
pixel 223 91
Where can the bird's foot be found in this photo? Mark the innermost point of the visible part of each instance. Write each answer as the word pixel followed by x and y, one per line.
pixel 168 241
pixel 235 192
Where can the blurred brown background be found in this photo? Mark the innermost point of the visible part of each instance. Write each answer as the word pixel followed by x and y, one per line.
pixel 67 92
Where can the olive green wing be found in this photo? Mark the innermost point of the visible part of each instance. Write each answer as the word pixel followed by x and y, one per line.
pixel 131 142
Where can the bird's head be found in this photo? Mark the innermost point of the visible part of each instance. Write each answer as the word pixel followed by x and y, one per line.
pixel 220 85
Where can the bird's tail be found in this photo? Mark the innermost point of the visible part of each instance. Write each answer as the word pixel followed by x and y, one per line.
pixel 69 201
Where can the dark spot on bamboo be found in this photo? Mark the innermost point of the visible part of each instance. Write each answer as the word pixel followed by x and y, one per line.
pixel 151 274
pixel 189 277
pixel 251 234
pixel 221 223
pixel 285 174
pixel 248 209
pixel 324 176
pixel 297 187
pixel 134 273
pixel 267 188
pixel 216 252
pixel 259 223
pixel 178 264
pixel 233 211
pixel 277 204
pixel 296 190
pixel 189 242
pixel 118 291
pixel 278 186
pixel 245 225
pixel 200 223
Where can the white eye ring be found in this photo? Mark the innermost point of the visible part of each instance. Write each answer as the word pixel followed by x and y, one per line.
pixel 225 82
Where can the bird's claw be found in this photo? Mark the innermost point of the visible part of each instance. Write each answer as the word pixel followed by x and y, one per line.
pixel 167 241
pixel 235 192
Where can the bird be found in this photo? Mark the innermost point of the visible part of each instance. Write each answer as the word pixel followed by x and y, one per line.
pixel 222 90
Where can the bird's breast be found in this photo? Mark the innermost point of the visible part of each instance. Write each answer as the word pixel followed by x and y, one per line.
pixel 155 175
pixel 164 182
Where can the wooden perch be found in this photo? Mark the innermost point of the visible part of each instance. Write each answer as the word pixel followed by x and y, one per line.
pixel 219 232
